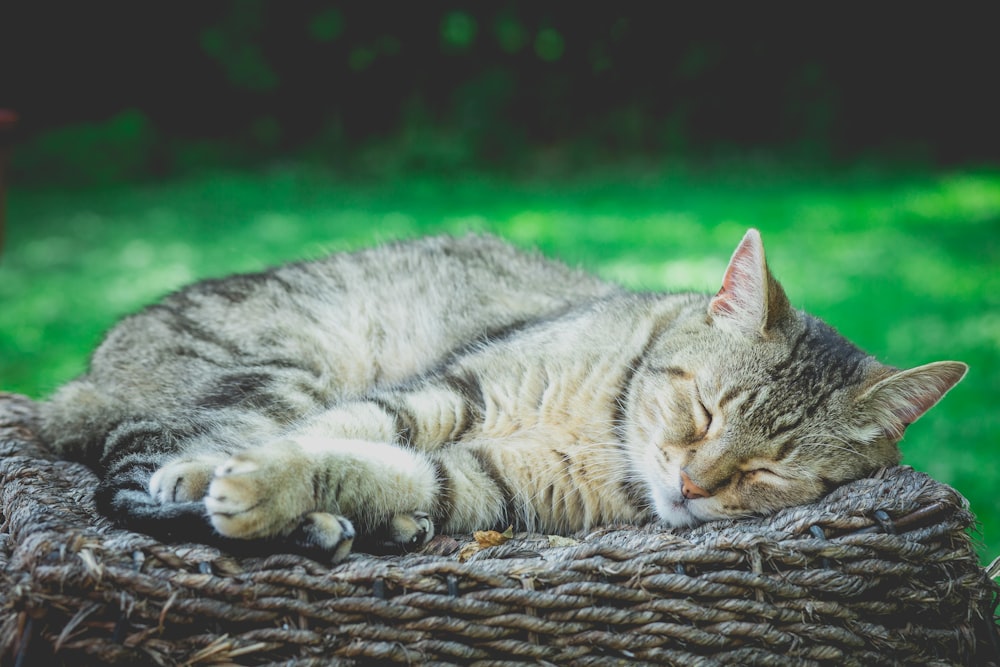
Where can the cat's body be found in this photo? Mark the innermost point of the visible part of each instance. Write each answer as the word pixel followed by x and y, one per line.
pixel 460 384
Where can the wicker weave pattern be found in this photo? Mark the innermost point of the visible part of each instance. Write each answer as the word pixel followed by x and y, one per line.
pixel 880 572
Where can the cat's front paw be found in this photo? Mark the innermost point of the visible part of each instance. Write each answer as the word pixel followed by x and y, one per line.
pixel 260 493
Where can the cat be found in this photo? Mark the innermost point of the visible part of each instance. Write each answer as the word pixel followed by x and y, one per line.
pixel 371 399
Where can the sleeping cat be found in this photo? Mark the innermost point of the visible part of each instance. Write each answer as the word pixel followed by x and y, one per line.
pixel 455 384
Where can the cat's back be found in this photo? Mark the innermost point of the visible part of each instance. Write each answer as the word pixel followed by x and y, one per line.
pixel 430 294
pixel 407 304
pixel 410 303
pixel 476 277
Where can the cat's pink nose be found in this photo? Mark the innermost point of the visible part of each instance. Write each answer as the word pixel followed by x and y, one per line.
pixel 690 489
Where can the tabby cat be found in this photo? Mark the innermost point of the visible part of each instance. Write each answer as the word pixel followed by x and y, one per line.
pixel 454 384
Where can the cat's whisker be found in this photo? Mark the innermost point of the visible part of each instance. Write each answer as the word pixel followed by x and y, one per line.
pixel 837 443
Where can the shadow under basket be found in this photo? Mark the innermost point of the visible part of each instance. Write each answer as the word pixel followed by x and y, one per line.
pixel 881 571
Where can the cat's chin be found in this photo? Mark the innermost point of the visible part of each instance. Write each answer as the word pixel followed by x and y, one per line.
pixel 673 509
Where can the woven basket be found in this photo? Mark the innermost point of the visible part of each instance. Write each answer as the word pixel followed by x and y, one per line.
pixel 882 571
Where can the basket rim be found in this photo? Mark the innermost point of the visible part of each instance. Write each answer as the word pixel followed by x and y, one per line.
pixel 821 583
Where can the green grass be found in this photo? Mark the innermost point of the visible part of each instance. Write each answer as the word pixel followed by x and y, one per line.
pixel 906 265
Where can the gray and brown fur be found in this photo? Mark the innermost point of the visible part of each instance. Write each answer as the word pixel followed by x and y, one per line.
pixel 458 384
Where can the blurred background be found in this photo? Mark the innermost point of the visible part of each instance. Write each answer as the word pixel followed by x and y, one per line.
pixel 160 143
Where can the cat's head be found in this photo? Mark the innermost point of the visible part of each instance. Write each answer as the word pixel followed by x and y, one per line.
pixel 750 406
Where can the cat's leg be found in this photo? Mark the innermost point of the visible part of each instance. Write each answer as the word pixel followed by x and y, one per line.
pixel 376 461
pixel 266 491
pixel 540 480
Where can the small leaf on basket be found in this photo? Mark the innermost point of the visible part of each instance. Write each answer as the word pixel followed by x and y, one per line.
pixel 492 538
pixel 484 539
pixel 562 541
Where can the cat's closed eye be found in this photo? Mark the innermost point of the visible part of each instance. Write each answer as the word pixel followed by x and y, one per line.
pixel 706 415
pixel 762 473
pixel 703 416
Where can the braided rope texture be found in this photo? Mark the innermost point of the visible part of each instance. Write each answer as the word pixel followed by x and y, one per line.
pixel 880 572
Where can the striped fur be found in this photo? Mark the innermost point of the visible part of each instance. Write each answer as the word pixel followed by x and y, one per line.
pixel 459 384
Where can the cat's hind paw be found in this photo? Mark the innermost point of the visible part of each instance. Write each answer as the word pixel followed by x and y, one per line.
pixel 183 480
pixel 406 531
pixel 411 530
pixel 329 534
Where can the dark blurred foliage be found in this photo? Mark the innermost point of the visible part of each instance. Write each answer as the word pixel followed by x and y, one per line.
pixel 124 88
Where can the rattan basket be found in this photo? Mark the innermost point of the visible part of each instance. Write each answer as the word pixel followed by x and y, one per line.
pixel 882 571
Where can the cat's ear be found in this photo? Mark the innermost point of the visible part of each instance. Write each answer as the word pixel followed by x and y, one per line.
pixel 750 296
pixel 900 399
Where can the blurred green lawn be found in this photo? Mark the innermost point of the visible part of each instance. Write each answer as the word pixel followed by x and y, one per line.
pixel 905 264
